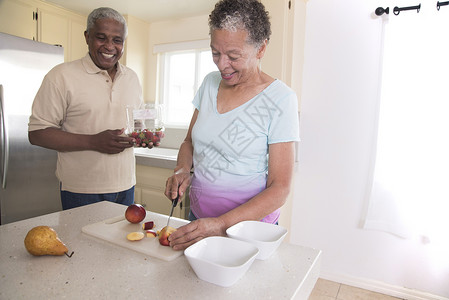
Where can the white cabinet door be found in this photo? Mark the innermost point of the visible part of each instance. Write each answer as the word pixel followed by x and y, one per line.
pixel 149 191
pixel 40 21
pixel 54 29
pixel 17 18
pixel 78 46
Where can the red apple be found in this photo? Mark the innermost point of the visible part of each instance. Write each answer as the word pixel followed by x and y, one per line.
pixel 135 213
pixel 164 234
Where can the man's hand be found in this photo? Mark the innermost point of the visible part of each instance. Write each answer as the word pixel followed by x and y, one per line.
pixel 108 141
pixel 111 141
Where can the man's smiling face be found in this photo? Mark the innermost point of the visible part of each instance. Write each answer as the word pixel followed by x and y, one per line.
pixel 105 41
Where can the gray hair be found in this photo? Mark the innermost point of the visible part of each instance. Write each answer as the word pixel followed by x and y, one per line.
pixel 248 15
pixel 105 13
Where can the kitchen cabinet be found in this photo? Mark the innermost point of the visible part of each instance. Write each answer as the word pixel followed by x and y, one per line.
pixel 149 191
pixel 78 46
pixel 60 27
pixel 45 23
pixel 137 47
pixel 18 18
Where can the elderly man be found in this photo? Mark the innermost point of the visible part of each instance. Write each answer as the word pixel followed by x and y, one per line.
pixel 79 111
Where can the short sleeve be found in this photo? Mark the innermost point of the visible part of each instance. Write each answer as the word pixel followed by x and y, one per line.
pixel 48 108
pixel 197 99
pixel 208 89
pixel 284 126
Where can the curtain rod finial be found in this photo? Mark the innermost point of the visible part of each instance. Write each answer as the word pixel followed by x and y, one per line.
pixel 380 11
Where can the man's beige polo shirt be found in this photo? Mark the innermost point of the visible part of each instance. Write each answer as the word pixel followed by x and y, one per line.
pixel 78 97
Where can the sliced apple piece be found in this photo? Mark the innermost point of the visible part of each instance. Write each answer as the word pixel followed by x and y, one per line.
pixel 151 233
pixel 135 236
pixel 148 225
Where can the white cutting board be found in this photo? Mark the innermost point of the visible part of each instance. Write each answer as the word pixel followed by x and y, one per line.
pixel 114 230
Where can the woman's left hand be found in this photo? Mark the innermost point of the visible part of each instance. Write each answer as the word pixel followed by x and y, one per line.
pixel 195 231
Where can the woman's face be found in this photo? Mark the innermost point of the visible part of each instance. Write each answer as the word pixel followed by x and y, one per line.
pixel 236 60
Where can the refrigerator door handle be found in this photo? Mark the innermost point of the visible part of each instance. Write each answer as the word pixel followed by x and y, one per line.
pixel 5 140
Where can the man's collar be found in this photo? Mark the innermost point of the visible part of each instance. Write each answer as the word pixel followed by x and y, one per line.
pixel 92 68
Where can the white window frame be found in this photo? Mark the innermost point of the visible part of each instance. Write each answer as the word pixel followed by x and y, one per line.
pixel 161 50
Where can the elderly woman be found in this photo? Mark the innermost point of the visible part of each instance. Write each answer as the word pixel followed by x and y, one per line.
pixel 240 143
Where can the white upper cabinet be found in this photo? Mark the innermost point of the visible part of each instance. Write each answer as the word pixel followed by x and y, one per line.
pixel 45 23
pixel 18 18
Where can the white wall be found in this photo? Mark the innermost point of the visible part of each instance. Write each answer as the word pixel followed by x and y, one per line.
pixel 136 51
pixel 340 92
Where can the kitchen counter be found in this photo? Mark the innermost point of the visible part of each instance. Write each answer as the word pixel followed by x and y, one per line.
pixel 101 270
pixel 156 157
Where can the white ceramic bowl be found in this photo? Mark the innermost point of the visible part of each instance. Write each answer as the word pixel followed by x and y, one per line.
pixel 221 260
pixel 266 237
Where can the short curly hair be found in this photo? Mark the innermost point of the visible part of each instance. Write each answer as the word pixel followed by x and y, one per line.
pixel 248 15
pixel 105 13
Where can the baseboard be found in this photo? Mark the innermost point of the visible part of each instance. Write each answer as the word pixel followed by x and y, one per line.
pixel 380 287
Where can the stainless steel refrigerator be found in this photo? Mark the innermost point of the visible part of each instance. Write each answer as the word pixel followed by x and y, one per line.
pixel 29 186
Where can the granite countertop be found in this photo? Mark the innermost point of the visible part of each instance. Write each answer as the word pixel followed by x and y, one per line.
pixel 102 270
pixel 156 157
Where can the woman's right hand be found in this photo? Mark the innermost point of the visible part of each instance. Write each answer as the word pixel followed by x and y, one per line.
pixel 177 183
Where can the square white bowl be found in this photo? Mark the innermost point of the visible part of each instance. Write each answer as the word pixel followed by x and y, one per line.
pixel 221 260
pixel 265 236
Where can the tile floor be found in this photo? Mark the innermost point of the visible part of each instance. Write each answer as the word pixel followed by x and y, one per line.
pixel 329 290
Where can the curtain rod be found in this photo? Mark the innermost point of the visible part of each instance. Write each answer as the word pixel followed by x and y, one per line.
pixel 396 10
pixel 444 3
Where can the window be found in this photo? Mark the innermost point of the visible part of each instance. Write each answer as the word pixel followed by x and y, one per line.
pixel 182 68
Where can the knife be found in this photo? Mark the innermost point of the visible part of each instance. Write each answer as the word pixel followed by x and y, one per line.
pixel 174 203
